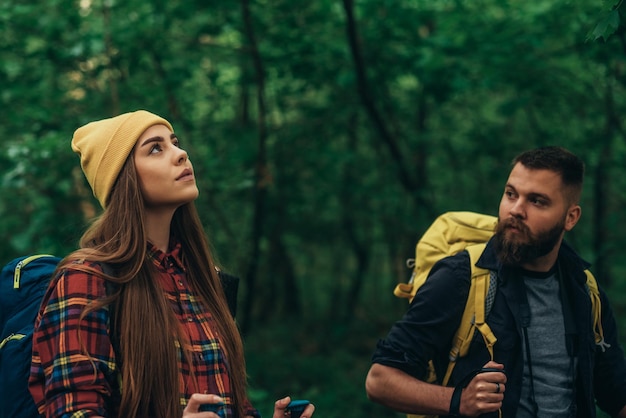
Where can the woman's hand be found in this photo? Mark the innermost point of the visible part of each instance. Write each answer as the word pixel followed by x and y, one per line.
pixel 280 407
pixel 200 406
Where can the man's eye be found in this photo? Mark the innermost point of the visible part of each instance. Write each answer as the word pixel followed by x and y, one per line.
pixel 538 202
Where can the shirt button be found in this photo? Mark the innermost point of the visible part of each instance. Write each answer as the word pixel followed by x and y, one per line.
pixel 189 319
pixel 180 283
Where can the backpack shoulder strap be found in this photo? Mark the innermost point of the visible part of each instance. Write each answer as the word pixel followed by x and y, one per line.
pixel 486 288
pixel 596 311
pixel 230 284
pixel 479 301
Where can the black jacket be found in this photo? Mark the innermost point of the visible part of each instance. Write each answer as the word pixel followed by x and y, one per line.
pixel 426 330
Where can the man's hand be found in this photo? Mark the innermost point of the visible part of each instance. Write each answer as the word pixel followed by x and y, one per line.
pixel 485 392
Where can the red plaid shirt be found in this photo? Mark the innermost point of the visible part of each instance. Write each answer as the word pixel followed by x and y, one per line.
pixel 62 378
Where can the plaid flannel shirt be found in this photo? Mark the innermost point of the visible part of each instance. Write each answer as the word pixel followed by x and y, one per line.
pixel 63 381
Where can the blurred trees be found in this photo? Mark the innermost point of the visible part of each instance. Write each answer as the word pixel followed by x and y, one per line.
pixel 326 135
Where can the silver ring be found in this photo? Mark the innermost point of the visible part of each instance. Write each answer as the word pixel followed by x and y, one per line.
pixel 497 387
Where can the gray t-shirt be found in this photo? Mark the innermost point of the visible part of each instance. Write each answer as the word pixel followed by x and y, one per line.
pixel 553 369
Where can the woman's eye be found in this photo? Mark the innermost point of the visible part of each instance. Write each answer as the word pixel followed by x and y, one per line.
pixel 176 143
pixel 155 148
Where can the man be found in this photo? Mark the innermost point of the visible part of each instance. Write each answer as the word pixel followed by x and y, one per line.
pixel 545 362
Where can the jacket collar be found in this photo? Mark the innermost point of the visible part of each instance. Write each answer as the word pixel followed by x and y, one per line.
pixel 567 257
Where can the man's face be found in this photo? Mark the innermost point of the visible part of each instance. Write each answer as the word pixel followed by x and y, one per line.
pixel 522 246
pixel 534 214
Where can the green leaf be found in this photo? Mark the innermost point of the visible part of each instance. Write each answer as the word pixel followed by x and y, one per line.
pixel 606 26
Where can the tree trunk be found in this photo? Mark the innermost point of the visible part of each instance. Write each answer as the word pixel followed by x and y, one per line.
pixel 359 247
pixel 601 192
pixel 109 47
pixel 366 97
pixel 261 170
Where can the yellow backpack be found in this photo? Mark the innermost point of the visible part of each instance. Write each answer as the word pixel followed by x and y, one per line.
pixel 449 234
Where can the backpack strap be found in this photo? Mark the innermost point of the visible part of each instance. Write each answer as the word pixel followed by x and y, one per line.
pixel 230 284
pixel 479 302
pixel 596 311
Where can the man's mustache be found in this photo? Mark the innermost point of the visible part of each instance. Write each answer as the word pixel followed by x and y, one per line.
pixel 515 223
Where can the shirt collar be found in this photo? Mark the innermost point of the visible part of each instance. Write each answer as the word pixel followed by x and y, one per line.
pixel 165 259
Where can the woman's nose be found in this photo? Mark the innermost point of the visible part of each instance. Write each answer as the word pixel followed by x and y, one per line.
pixel 182 156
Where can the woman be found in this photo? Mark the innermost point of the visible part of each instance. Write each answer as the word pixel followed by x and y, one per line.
pixel 135 323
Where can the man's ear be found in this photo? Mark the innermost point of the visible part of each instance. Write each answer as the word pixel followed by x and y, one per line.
pixel 572 217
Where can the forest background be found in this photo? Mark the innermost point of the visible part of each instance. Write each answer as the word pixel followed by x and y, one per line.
pixel 326 136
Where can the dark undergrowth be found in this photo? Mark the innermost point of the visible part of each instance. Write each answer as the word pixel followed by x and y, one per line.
pixel 324 363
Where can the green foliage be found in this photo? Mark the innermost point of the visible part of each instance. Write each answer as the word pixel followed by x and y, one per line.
pixel 609 22
pixel 328 367
pixel 42 196
pixel 606 26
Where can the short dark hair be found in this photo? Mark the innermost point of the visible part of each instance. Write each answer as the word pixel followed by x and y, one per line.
pixel 559 160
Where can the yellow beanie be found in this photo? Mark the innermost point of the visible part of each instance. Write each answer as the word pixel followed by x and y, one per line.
pixel 104 145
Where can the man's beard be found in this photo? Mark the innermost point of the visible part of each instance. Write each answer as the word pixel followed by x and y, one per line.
pixel 526 246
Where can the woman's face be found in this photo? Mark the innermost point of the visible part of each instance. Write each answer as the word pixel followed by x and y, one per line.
pixel 163 168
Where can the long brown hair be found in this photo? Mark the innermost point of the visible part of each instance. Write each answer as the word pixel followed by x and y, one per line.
pixel 144 321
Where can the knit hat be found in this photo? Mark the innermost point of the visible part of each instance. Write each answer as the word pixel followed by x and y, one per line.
pixel 104 145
